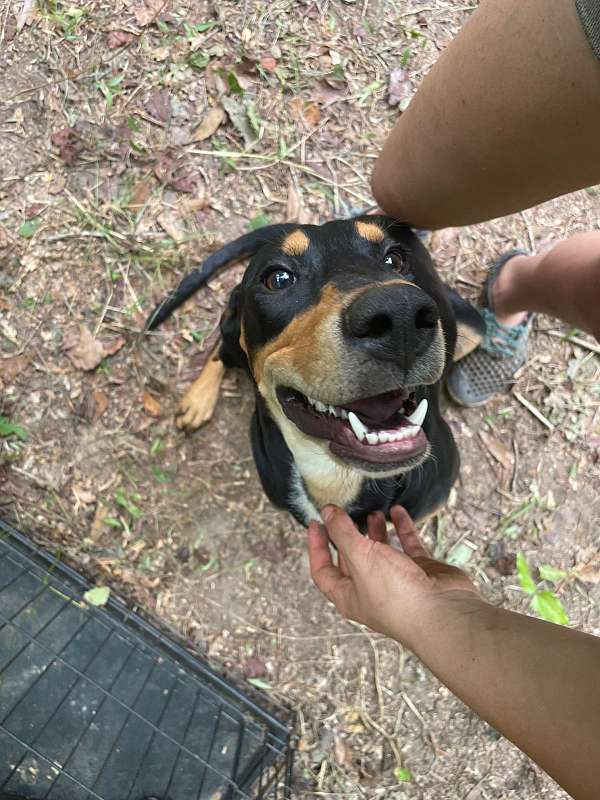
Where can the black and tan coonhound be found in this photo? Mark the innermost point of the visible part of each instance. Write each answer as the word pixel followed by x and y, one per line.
pixel 347 332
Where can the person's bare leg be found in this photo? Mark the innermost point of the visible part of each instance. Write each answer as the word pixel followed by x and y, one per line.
pixel 508 117
pixel 563 282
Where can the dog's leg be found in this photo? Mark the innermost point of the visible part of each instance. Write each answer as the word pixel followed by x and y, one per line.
pixel 198 403
pixel 470 327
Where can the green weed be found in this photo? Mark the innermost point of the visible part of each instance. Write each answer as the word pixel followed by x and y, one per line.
pixel 544 602
pixel 8 428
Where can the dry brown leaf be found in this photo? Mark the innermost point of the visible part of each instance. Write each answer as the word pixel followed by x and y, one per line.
pixel 149 10
pixel 139 194
pixel 112 347
pixel 497 449
pixel 589 573
pixel 324 93
pixel 169 222
pixel 187 205
pixel 118 39
pixel 87 353
pixel 210 123
pixel 312 114
pixel 159 105
pixel 84 351
pixel 269 64
pixel 99 405
pixel 57 184
pixel 11 367
pixel 151 405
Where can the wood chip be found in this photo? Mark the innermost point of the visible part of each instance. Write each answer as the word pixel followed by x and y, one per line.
pixel 533 410
pixel 497 449
pixel 169 222
pixel 98 523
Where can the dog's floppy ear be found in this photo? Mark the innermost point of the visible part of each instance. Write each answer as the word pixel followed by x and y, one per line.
pixel 242 247
pixel 231 353
pixel 470 326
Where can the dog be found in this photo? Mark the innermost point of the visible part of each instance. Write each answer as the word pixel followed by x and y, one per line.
pixel 347 333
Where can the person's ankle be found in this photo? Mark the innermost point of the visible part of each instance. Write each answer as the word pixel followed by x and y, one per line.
pixel 500 293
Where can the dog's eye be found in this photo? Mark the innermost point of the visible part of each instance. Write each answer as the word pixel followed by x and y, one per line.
pixel 279 279
pixel 396 260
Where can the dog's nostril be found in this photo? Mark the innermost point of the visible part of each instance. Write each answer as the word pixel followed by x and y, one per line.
pixel 426 317
pixel 379 325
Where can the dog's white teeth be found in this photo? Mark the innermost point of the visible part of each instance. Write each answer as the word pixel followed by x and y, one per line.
pixel 372 438
pixel 418 417
pixel 321 407
pixel 384 437
pixel 359 429
pixel 332 410
pixel 343 413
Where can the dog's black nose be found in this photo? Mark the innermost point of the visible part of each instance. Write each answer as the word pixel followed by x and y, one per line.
pixel 395 322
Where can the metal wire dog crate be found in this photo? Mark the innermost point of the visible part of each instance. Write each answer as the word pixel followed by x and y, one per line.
pixel 98 703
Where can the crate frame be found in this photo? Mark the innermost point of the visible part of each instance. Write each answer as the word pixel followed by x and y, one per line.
pixel 268 773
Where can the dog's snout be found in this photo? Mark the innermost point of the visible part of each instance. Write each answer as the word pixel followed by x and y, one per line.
pixel 394 322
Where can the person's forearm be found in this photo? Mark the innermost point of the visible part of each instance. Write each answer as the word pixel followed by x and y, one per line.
pixel 507 117
pixel 538 684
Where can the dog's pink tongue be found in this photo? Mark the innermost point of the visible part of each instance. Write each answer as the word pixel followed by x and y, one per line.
pixel 380 408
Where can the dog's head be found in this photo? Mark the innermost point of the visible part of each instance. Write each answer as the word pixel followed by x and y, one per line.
pixel 346 329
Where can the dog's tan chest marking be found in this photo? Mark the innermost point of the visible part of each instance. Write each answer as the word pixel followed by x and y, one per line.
pixel 295 243
pixel 325 480
pixel 341 486
pixel 370 231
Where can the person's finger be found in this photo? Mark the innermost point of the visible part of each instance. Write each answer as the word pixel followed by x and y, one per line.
pixel 376 527
pixel 342 531
pixel 327 578
pixel 405 528
pixel 319 554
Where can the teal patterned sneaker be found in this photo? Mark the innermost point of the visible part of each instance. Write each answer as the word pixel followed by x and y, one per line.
pixel 491 367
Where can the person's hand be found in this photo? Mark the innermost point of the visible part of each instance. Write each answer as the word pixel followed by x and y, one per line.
pixel 399 594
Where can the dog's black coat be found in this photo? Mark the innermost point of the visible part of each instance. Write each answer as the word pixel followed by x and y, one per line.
pixel 340 257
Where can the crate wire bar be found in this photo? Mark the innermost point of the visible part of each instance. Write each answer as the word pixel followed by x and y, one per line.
pixel 96 703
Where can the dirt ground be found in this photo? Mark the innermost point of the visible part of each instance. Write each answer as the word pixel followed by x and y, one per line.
pixel 137 136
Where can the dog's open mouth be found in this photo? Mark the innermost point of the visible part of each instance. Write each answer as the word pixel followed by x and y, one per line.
pixel 385 429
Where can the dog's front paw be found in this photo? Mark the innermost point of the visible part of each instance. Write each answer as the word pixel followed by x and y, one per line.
pixel 197 405
pixel 194 410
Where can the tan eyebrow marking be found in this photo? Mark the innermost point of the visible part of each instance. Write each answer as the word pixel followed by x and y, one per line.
pixel 295 243
pixel 370 231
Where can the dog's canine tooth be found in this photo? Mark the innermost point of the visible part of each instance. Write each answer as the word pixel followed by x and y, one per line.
pixel 358 428
pixel 418 417
pixel 372 438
